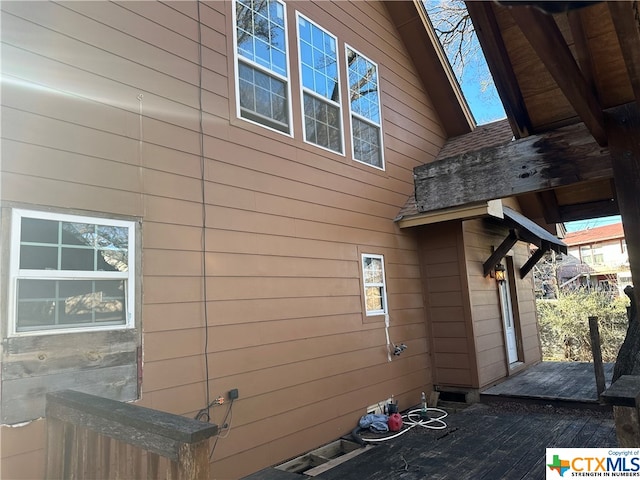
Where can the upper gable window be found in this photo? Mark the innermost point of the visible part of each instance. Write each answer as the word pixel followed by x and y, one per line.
pixel 364 104
pixel 261 48
pixel 71 273
pixel 320 86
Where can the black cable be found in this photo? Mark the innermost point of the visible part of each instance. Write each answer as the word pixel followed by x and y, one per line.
pixel 224 422
pixel 204 413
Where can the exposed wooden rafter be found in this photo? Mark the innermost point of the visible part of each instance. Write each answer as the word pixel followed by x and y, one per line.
pixel 581 45
pixel 497 58
pixel 561 157
pixel 545 37
pixel 626 18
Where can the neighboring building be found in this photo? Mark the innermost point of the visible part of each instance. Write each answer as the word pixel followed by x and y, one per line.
pixel 602 259
pixel 200 196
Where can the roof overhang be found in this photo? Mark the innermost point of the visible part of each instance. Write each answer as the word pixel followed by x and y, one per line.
pixel 523 229
pixel 492 208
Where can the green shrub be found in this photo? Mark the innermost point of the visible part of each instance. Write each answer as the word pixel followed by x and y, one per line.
pixel 564 325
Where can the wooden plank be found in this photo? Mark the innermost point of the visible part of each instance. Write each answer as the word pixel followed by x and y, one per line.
pixel 54 451
pixel 23 399
pixel 561 157
pixel 547 41
pixel 152 430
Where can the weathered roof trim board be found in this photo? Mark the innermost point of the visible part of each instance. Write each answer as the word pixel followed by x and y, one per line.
pixel 531 232
pixel 521 228
pixel 545 37
pixel 561 157
pixel 423 46
pixel 497 58
pixel 492 208
pixel 625 17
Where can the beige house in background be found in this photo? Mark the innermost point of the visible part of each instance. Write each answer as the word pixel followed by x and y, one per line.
pixel 213 196
pixel 603 259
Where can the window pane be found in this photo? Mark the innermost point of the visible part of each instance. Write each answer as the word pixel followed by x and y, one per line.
pixel 319 59
pixel 373 299
pixel 263 98
pixel 78 234
pixel 372 270
pixel 78 259
pixel 50 304
pixel 38 258
pixel 322 123
pixel 363 87
pixel 38 230
pixel 366 143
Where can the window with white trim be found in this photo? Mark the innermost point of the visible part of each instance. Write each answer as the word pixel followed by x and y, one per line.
pixel 262 64
pixel 70 273
pixel 364 105
pixel 320 80
pixel 373 280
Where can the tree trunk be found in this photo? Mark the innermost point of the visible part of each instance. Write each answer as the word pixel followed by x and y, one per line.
pixel 628 361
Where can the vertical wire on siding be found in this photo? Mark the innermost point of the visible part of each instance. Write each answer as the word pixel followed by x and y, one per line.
pixel 203 238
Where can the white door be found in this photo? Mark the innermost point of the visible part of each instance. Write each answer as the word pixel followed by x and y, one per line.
pixel 507 318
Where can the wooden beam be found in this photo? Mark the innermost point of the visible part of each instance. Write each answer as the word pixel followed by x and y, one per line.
pixel 495 53
pixel 626 19
pixel 550 208
pixel 561 157
pixel 581 44
pixel 545 37
pixel 584 211
pixel 533 259
pixel 623 128
pixel 500 252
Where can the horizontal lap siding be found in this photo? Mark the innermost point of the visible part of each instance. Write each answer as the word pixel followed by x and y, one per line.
pixel 286 221
pixel 445 289
pixel 480 236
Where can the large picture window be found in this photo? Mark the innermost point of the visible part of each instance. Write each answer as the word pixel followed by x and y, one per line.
pixel 364 104
pixel 375 290
pixel 71 273
pixel 320 86
pixel 261 49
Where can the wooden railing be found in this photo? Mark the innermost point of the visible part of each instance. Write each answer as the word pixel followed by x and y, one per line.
pixel 91 437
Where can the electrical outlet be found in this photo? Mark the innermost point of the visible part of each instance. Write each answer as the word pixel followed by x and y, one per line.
pixel 378 408
pixel 233 394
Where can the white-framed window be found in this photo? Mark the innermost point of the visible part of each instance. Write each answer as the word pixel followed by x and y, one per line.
pixel 364 107
pixel 592 254
pixel 70 273
pixel 320 81
pixel 262 66
pixel 373 280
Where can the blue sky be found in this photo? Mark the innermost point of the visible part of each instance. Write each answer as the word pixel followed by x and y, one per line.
pixel 485 104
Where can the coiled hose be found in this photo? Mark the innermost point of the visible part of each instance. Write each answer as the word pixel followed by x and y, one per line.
pixel 410 419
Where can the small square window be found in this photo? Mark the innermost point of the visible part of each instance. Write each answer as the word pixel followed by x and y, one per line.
pixel 373 279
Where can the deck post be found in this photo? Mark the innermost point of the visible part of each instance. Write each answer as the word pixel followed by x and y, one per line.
pixel 596 350
pixel 624 395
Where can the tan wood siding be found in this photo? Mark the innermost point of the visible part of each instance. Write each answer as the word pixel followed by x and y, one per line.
pixel 100 112
pixel 447 304
pixel 480 236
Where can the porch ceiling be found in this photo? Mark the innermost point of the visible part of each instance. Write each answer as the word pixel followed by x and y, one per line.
pixel 570 73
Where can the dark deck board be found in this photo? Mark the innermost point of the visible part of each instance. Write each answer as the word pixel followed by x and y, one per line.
pixel 479 443
pixel 564 381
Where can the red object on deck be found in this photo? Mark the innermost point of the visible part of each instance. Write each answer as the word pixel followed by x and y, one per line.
pixel 394 422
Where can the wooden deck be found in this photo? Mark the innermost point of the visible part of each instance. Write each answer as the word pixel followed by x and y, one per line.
pixel 551 381
pixel 480 442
